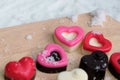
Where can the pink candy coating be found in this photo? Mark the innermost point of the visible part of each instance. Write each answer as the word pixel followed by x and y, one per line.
pixel 42 57
pixel 76 29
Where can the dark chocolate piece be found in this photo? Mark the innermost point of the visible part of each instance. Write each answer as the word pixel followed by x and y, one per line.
pixel 95 65
pixel 50 70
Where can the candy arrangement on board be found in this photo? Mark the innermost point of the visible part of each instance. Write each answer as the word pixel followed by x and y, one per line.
pixel 54 59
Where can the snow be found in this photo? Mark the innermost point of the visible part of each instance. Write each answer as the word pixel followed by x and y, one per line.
pixel 98 17
pixel 74 18
pixel 50 59
pixel 16 12
pixel 28 37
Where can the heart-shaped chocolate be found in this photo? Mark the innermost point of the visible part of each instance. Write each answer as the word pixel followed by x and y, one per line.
pixel 114 65
pixel 76 74
pixel 68 36
pixel 52 59
pixel 24 69
pixel 102 45
pixel 95 65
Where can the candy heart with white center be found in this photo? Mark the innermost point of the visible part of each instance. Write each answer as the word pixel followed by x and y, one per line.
pixel 76 74
pixel 53 59
pixel 94 40
pixel 69 38
pixel 114 64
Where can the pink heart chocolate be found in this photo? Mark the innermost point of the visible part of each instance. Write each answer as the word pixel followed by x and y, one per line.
pixel 73 29
pixel 46 60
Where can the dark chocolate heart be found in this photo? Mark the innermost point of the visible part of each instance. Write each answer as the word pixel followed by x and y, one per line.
pixel 95 65
pixel 54 56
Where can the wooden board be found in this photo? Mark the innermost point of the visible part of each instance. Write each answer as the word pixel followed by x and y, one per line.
pixel 14 45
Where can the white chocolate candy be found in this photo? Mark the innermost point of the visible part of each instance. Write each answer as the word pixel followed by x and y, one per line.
pixel 76 74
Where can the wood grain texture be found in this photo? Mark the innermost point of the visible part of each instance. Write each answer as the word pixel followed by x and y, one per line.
pixel 14 45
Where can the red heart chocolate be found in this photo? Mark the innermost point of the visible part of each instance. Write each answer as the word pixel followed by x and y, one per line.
pixel 24 69
pixel 114 65
pixel 115 61
pixel 106 44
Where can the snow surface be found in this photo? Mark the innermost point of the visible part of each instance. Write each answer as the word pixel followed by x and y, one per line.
pixel 28 37
pixel 15 12
pixel 98 17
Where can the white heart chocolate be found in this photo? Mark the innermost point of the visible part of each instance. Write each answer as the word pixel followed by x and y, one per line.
pixel 76 74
